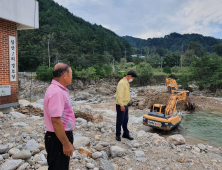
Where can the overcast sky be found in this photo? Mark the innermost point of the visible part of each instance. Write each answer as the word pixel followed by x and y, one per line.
pixel 151 18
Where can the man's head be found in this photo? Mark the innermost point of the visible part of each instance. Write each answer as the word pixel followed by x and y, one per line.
pixel 130 76
pixel 62 73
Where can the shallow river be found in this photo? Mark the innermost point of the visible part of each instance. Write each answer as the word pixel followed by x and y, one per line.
pixel 205 125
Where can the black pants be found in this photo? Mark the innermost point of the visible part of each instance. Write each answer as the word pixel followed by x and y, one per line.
pixel 121 120
pixel 55 156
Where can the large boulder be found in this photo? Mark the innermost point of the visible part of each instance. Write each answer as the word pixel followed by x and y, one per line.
pixel 25 154
pixel 176 140
pixel 3 148
pixel 105 165
pixel 32 145
pixel 117 151
pixel 87 113
pixel 81 141
pixel 11 164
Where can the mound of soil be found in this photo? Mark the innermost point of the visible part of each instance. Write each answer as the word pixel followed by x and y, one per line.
pixel 151 97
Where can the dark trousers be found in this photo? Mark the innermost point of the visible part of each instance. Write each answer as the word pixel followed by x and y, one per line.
pixel 122 120
pixel 55 156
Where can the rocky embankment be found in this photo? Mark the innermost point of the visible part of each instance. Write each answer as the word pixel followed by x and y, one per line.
pixel 22 133
pixel 22 146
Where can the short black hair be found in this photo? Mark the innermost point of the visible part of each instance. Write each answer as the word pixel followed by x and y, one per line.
pixel 132 73
pixel 59 71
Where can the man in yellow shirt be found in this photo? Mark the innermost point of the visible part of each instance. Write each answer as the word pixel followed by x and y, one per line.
pixel 122 100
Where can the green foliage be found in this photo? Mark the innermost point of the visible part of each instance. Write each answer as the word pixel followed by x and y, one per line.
pixel 183 80
pixel 74 73
pixel 122 62
pixel 197 49
pixel 206 72
pixel 137 60
pixel 89 73
pixel 167 70
pixel 104 71
pixel 144 72
pixel 217 49
pixel 44 73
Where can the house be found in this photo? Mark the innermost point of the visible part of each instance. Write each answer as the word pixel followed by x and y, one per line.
pixel 14 15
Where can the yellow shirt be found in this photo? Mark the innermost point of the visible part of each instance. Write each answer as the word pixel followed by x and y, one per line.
pixel 123 92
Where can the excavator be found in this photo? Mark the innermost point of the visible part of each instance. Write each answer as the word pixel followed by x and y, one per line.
pixel 165 117
pixel 172 89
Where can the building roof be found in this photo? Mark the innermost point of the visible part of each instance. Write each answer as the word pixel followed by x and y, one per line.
pixel 23 12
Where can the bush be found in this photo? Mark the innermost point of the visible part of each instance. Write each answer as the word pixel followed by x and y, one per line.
pixel 183 80
pixel 104 71
pixel 144 72
pixel 44 73
pixel 74 73
pixel 173 76
pixel 167 70
pixel 89 73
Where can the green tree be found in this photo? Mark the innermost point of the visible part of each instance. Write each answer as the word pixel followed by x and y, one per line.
pixel 217 49
pixel 197 49
pixel 144 72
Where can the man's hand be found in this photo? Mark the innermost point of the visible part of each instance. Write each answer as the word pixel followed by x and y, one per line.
pixel 68 149
pixel 122 108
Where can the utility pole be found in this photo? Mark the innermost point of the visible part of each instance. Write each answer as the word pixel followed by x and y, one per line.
pixel 48 54
pixel 113 65
pixel 125 53
pixel 182 57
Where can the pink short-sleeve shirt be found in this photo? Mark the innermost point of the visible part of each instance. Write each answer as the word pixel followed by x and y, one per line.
pixel 57 103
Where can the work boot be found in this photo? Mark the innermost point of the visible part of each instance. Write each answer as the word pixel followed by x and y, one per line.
pixel 128 137
pixel 118 138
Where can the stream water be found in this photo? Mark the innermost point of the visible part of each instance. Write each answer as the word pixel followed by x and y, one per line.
pixel 205 126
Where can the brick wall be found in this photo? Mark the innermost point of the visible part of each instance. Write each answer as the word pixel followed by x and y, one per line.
pixel 7 29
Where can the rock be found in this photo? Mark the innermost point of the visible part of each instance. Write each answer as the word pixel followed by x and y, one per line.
pixel 73 155
pixel 136 145
pixel 196 149
pixel 42 147
pixel 141 133
pixel 6 135
pixel 80 120
pixel 25 154
pixel 11 164
pixel 115 166
pixel 139 153
pixel 23 166
pixel 176 140
pixel 98 147
pixel 3 148
pixel 32 145
pixel 20 124
pixel 104 155
pixel 117 151
pixel 43 168
pixel 141 159
pixel 104 144
pixel 13 151
pixel 5 156
pixel 90 165
pixel 28 129
pixel 216 156
pixel 1 158
pixel 81 141
pixel 40 158
pixel 86 151
pixel 202 146
pixel 96 155
pixel 105 165
pixel 103 130
pixel 17 115
pixel 87 113
pixel 1 115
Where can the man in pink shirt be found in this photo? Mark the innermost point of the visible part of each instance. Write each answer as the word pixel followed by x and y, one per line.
pixel 59 119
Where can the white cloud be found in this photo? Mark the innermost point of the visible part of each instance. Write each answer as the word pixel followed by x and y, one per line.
pixel 147 19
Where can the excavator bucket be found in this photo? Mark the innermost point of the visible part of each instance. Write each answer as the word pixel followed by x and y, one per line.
pixel 191 106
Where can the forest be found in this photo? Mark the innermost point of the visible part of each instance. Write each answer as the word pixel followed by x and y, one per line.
pixel 68 38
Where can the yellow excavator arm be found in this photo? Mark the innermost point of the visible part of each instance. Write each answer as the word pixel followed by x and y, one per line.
pixel 171 106
pixel 173 82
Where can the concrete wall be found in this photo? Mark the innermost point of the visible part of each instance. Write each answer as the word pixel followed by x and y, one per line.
pixel 23 12
pixel 7 28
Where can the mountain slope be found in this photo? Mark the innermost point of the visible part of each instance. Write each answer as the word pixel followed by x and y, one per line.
pixel 70 38
pixel 173 42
